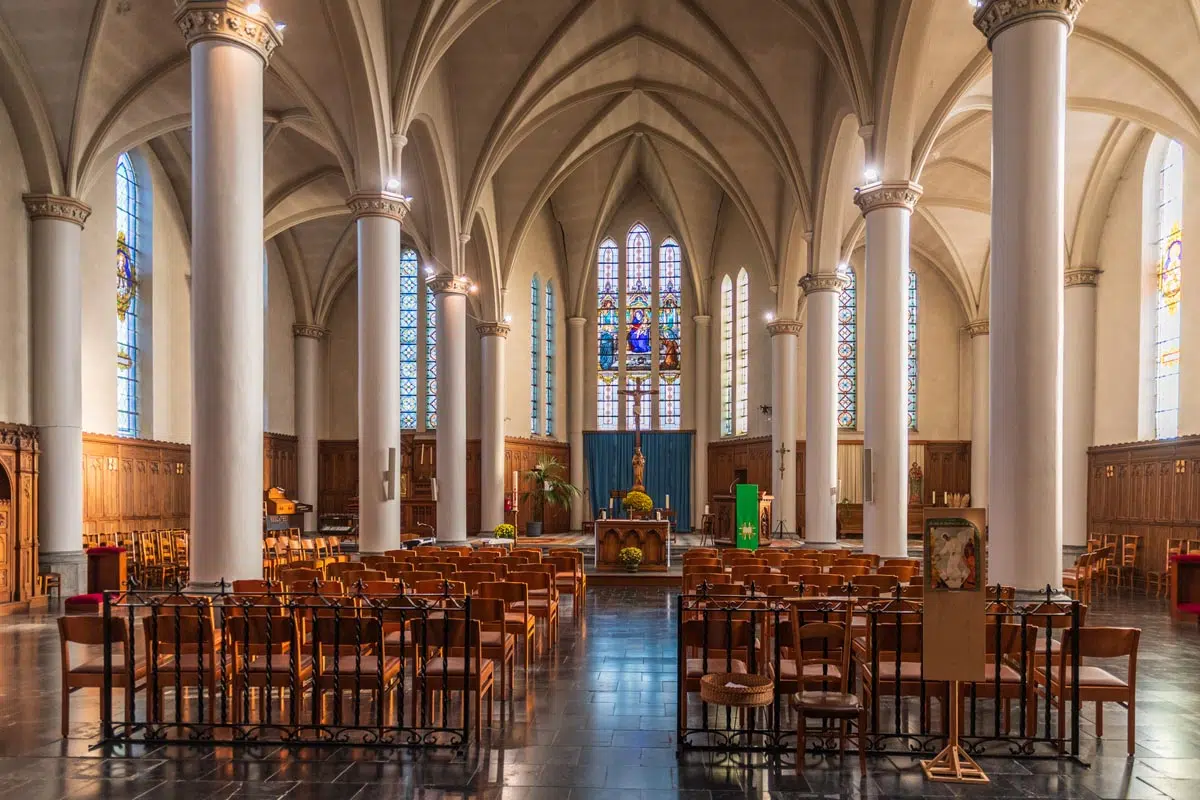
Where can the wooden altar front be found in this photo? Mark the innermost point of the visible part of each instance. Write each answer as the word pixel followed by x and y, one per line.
pixel 648 535
pixel 725 516
pixel 18 514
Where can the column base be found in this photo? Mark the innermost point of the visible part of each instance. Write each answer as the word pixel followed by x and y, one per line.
pixel 810 545
pixel 1033 596
pixel 71 565
pixel 211 588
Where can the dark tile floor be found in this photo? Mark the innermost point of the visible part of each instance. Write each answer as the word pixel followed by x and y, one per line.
pixel 596 722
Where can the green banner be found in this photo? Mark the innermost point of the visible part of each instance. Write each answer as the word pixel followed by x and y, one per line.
pixel 746 516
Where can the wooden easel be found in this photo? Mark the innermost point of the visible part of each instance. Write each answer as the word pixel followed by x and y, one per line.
pixel 953 765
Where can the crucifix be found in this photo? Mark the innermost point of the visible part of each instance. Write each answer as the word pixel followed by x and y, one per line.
pixel 782 451
pixel 639 461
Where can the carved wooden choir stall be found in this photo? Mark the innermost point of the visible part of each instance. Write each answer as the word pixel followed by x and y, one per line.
pixel 18 516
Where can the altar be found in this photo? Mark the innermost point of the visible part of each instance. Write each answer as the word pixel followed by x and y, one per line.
pixel 652 537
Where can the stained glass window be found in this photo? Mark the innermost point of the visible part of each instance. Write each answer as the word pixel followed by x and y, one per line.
pixel 409 355
pixel 726 357
pixel 128 301
pixel 911 386
pixel 549 358
pixel 670 296
pixel 638 319
pixel 608 329
pixel 742 412
pixel 847 354
pixel 1167 291
pixel 535 355
pixel 431 360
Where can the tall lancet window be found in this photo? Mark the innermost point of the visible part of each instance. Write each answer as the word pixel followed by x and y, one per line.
pixel 409 356
pixel 670 296
pixel 431 360
pixel 608 328
pixel 741 415
pixel 847 354
pixel 726 356
pixel 1168 287
pixel 549 358
pixel 535 356
pixel 639 324
pixel 128 299
pixel 911 367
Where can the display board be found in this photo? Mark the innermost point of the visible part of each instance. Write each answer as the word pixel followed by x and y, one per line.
pixel 955 592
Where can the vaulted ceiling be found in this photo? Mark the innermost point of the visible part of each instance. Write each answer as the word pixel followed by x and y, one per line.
pixel 770 108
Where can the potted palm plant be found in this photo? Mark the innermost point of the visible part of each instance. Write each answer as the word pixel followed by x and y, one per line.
pixel 548 485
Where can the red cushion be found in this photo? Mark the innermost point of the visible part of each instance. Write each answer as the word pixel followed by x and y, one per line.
pixel 1189 608
pixel 96 599
pixel 104 551
pixel 1187 558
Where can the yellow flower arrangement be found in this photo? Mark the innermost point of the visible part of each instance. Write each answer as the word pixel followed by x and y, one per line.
pixel 504 531
pixel 639 502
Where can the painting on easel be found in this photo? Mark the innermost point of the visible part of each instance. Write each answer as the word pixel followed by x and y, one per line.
pixel 953 548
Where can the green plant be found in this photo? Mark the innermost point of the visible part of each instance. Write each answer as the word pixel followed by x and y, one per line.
pixel 639 502
pixel 548 484
pixel 630 556
pixel 505 531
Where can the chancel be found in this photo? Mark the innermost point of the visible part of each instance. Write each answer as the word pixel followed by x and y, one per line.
pixel 595 389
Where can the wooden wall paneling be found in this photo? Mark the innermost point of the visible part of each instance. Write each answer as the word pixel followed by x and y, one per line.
pixel 727 456
pixel 134 484
pixel 521 454
pixel 280 465
pixel 474 495
pixel 337 474
pixel 947 468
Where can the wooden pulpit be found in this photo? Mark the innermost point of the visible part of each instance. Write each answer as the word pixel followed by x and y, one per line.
pixel 724 514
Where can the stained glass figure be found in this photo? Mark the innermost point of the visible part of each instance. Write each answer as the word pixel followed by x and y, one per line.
pixel 670 297
pixel 549 358
pixel 608 324
pixel 726 356
pixel 535 355
pixel 128 346
pixel 911 386
pixel 431 360
pixel 847 354
pixel 639 319
pixel 1168 290
pixel 742 382
pixel 409 321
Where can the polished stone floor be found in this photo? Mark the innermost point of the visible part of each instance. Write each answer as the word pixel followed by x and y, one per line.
pixel 596 721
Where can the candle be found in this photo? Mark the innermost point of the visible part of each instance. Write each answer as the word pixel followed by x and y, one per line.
pixel 610 504
pixel 668 504
pixel 658 515
pixel 422 454
pixel 706 508
pixel 946 498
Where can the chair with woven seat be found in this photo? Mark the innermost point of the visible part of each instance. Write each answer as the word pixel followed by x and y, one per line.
pixel 1162 578
pixel 542 603
pixel 266 655
pixel 568 580
pixel 367 669
pixel 517 618
pixel 823 662
pixel 468 672
pixel 1077 580
pixel 182 646
pixel 499 645
pixel 715 645
pixel 1124 564
pixel 89 673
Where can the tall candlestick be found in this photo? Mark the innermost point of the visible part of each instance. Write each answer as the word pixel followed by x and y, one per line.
pixel 668 503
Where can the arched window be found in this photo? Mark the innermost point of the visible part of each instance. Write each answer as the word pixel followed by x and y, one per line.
pixel 638 325
pixel 912 351
pixel 847 354
pixel 535 355
pixel 670 296
pixel 409 352
pixel 549 348
pixel 608 324
pixel 128 298
pixel 742 379
pixel 1168 267
pixel 726 356
pixel 431 372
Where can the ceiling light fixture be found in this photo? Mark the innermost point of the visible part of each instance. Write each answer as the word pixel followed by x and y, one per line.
pixel 254 8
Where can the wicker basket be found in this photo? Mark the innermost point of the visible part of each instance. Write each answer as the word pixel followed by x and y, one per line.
pixel 759 690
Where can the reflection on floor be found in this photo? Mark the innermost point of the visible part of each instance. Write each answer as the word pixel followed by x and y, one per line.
pixel 596 721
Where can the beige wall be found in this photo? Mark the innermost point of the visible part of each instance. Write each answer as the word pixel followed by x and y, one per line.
pixel 279 382
pixel 15 321
pixel 939 354
pixel 99 278
pixel 341 367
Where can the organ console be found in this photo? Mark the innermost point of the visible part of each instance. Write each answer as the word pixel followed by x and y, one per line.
pixel 280 512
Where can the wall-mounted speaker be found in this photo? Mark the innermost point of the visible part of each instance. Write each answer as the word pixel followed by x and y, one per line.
pixel 868 464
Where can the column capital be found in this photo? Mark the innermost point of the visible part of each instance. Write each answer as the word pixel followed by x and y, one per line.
pixel 49 206
pixel 976 327
pixel 305 330
pixel 1081 276
pixel 784 327
pixel 887 194
pixel 576 322
pixel 230 20
pixel 378 204
pixel 499 329
pixel 994 16
pixel 824 282
pixel 702 319
pixel 449 284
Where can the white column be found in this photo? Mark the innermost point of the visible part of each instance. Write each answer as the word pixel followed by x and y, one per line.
pixel 57 224
pixel 1029 91
pixel 703 418
pixel 576 361
pixel 229 51
pixel 379 216
pixel 491 471
pixel 820 421
pixel 307 344
pixel 1079 410
pixel 888 210
pixel 451 292
pixel 980 401
pixel 783 421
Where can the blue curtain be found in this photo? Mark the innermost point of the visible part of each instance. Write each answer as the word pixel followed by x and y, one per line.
pixel 669 472
pixel 607 456
pixel 668 469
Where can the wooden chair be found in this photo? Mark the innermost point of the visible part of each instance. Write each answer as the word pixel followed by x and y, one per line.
pixel 469 673
pixel 848 572
pixel 1126 560
pixel 261 663
pixel 567 580
pixel 377 562
pixel 1009 680
pixel 902 572
pixel 397 570
pixel 1162 579
pixel 183 650
pixel 543 607
pixel 290 576
pixel 399 555
pixel 499 645
pixel 900 672
pixel 338 671
pixel 1096 684
pixel 823 662
pixel 912 591
pixel 89 673
pixel 339 569
pixel 440 587
pixel 256 587
pixel 512 562
pixel 418 575
pixel 693 581
pixel 1077 580
pixel 701 561
pixel 351 577
pixel 822 583
pixel 473 580
pixel 728 642
pixel 517 618
pixel 744 568
pixel 531 555
pixel 884 583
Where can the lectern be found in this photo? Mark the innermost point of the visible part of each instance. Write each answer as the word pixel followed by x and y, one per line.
pixel 724 508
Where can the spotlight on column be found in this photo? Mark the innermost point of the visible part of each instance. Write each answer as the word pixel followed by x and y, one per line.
pixel 280 27
pixel 429 271
pixel 254 9
pixel 408 198
pixel 769 316
pixel 507 319
pixel 871 174
pixel 393 185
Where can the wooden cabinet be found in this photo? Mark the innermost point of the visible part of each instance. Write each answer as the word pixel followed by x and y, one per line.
pixel 18 513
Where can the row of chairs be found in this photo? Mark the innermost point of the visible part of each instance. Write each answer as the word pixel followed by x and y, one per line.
pixel 154 557
pixel 282 550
